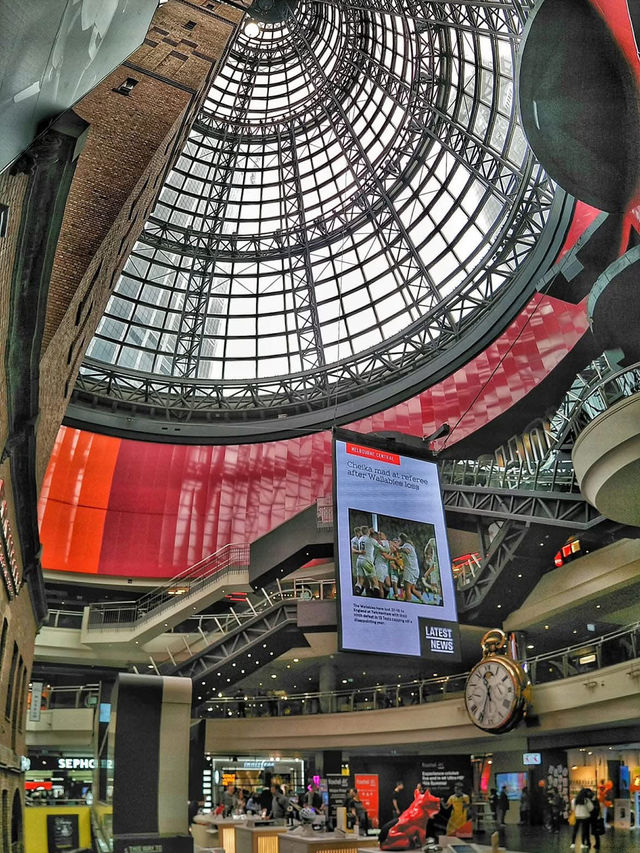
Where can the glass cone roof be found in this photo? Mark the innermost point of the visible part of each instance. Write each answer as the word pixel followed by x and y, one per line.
pixel 355 213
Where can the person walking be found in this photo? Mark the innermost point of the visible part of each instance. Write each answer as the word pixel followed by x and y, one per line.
pixel 582 806
pixel 596 820
pixel 524 807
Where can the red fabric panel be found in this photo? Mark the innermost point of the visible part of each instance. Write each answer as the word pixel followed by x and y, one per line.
pixel 170 506
pixel 74 500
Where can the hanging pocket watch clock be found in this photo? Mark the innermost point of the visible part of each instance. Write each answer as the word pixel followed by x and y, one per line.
pixel 498 690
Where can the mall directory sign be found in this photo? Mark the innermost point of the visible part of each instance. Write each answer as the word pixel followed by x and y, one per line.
pixel 396 588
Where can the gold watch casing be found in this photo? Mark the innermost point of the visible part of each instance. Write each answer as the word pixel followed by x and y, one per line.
pixel 498 690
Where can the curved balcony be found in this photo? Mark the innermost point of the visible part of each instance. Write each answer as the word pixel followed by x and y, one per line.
pixel 606 454
pixel 568 697
pixel 582 659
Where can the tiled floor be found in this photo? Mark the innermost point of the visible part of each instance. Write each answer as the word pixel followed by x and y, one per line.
pixel 535 839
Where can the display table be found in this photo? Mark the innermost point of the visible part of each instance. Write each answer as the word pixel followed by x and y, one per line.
pixel 226 829
pixel 324 842
pixel 258 839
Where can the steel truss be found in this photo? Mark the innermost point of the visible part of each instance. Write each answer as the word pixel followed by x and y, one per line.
pixel 248 636
pixel 556 510
pixel 498 553
pixel 288 107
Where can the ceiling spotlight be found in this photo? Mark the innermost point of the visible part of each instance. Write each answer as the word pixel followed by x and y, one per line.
pixel 251 29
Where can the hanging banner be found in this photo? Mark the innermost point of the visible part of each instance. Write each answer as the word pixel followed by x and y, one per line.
pixel 368 787
pixel 36 701
pixel 396 587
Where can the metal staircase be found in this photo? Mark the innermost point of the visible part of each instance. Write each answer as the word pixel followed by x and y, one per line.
pixel 169 604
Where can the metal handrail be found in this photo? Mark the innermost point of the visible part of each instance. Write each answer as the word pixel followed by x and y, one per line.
pixel 212 627
pixel 74 696
pixel 187 583
pixel 617 646
pixel 63 618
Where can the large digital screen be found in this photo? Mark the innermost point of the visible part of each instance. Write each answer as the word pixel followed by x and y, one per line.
pixel 396 588
pixel 514 783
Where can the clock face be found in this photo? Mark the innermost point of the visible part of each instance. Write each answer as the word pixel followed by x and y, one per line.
pixel 492 696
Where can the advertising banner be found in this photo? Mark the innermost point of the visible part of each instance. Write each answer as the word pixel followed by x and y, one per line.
pixel 36 701
pixel 62 832
pixel 397 593
pixel 367 785
pixel 441 774
pixel 337 787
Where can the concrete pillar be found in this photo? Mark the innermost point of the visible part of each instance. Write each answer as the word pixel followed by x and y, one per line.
pixel 327 684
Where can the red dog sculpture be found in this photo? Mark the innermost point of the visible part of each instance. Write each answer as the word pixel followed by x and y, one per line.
pixel 410 829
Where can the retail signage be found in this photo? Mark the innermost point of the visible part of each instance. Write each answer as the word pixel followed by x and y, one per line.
pixel 396 587
pixel 63 762
pixel 368 787
pixel 531 758
pixel 441 775
pixel 337 788
pixel 62 832
pixel 76 763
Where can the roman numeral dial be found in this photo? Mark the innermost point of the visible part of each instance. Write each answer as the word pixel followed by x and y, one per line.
pixel 497 692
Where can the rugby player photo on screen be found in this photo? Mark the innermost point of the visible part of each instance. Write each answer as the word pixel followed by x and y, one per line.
pixel 394 558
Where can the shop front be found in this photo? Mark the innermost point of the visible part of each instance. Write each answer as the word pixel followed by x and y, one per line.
pixel 59 777
pixel 249 774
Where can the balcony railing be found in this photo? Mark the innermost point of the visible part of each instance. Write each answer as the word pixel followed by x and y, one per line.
pixel 77 696
pixel 63 619
pixel 581 659
pixel 125 614
pixel 209 627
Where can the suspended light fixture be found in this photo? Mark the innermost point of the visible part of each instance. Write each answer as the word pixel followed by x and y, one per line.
pixel 251 28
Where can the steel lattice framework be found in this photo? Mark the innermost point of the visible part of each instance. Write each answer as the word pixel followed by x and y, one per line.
pixel 355 213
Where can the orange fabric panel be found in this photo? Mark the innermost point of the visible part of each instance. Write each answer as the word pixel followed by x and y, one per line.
pixel 74 500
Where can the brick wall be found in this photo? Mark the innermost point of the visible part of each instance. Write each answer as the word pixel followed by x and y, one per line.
pixel 12 192
pixel 17 635
pixel 133 139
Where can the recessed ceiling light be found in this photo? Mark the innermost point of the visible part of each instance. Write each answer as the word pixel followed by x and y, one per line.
pixel 273 675
pixel 295 660
pixel 546 627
